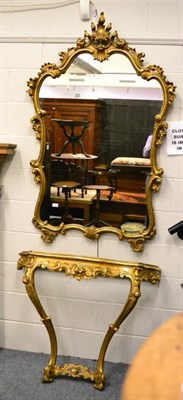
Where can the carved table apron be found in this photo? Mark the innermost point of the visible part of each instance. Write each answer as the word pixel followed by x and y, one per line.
pixel 83 268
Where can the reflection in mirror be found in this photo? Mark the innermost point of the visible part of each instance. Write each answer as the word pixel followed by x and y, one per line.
pixel 96 117
pixel 118 109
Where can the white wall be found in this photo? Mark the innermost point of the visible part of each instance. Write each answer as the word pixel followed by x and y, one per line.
pixel 82 311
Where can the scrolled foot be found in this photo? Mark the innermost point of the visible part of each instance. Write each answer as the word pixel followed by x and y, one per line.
pixel 47 378
pixel 99 380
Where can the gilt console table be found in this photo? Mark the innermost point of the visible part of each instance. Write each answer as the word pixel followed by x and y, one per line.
pixel 83 268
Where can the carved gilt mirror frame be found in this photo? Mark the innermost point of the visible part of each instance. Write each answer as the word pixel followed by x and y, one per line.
pixel 101 44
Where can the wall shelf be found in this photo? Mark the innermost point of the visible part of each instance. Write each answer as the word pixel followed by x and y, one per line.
pixel 6 149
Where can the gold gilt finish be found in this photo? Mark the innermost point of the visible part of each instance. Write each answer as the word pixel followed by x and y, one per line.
pixel 83 268
pixel 101 44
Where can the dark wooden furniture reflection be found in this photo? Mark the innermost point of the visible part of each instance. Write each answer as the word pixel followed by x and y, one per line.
pixel 109 135
pixel 126 177
pixel 79 208
pixel 97 221
pixel 67 167
pixel 119 126
pixel 123 207
pixel 74 109
pixel 156 372
pixel 126 205
pixel 67 187
pixel 71 137
pixel 75 167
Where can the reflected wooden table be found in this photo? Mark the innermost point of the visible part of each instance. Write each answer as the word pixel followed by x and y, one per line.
pixel 99 188
pixel 66 187
pixel 82 204
pixel 72 138
pixel 156 372
pixel 83 268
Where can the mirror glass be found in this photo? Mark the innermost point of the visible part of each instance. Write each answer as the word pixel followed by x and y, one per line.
pixel 96 116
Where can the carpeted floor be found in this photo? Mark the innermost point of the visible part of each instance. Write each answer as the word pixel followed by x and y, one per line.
pixel 21 372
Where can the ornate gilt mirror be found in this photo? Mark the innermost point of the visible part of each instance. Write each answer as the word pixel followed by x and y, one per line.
pixel 94 113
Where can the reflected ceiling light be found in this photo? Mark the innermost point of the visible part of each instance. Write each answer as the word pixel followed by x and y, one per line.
pixel 127 80
pixel 76 79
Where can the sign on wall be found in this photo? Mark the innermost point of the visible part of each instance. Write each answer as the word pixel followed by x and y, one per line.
pixel 175 138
